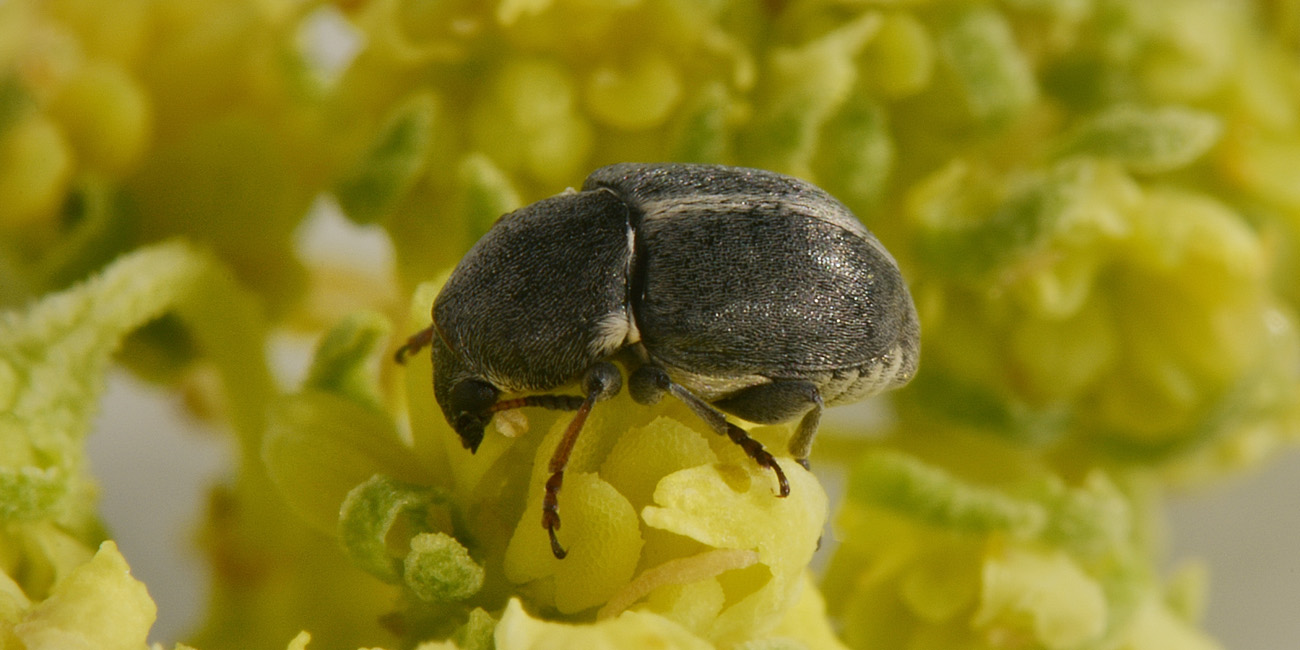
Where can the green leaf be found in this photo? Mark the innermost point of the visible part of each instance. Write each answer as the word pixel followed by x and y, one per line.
pixel 994 74
pixel 965 235
pixel 343 360
pixel 807 84
pixel 15 100
pixel 946 397
pixel 487 193
pixel 906 485
pixel 1090 519
pixel 703 132
pixel 1145 140
pixel 30 492
pixel 319 446
pixel 856 164
pixel 383 176
pixel 230 184
pixel 96 228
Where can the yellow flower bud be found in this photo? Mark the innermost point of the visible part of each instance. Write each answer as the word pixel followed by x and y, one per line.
pixel 900 60
pixel 1043 598
pixel 106 116
pixel 528 123
pixel 35 165
pixel 635 96
pixel 120 34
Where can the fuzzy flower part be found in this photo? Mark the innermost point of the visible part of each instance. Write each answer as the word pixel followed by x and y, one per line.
pixel 54 356
pixel 930 558
pixel 125 127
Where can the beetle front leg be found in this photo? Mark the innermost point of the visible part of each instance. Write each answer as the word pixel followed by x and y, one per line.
pixel 648 384
pixel 601 382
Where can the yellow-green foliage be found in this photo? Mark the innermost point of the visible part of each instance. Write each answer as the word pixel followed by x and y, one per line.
pixel 1095 203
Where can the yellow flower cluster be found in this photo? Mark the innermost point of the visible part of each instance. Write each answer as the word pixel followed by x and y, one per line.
pixel 1094 201
pixel 125 126
pixel 942 558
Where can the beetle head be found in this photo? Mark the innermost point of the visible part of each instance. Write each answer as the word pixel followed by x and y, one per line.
pixel 466 400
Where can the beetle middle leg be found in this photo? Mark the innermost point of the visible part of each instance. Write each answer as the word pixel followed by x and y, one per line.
pixel 601 382
pixel 781 400
pixel 649 383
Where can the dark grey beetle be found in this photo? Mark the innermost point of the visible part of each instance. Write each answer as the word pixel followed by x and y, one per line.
pixel 735 290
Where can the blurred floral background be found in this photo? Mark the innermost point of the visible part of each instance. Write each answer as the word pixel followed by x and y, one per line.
pixel 1096 203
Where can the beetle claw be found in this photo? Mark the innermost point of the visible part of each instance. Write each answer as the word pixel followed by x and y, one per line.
pixel 551 522
pixel 556 549
pixel 754 449
pixel 780 479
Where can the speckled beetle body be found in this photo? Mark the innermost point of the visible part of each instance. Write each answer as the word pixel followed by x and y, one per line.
pixel 733 289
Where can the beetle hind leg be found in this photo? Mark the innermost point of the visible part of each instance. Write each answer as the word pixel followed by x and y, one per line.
pixel 648 384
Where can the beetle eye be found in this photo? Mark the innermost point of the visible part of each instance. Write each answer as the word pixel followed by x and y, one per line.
pixel 473 396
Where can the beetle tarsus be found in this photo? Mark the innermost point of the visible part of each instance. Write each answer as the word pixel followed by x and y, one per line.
pixel 551 512
pixel 780 400
pixel 414 344
pixel 754 449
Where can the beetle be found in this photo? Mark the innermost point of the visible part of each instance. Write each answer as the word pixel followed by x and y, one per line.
pixel 735 290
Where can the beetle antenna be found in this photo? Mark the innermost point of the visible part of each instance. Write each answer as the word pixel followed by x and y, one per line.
pixel 552 402
pixel 415 343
